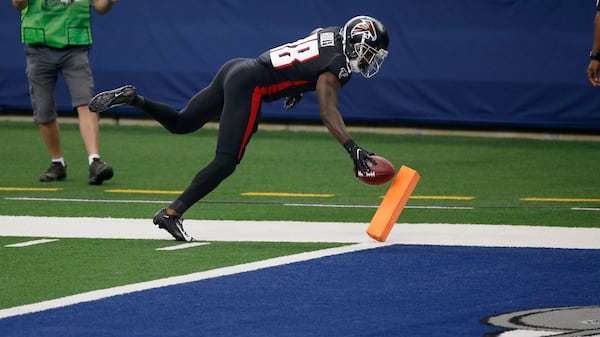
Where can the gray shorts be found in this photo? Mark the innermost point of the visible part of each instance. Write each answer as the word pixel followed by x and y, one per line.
pixel 44 64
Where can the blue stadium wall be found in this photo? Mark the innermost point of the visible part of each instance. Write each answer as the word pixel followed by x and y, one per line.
pixel 490 63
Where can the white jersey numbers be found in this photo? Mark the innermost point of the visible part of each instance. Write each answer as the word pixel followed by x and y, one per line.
pixel 299 51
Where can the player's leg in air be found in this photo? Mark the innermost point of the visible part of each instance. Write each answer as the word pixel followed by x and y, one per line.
pixel 201 108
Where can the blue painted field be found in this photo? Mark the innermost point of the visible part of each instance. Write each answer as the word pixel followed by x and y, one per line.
pixel 398 290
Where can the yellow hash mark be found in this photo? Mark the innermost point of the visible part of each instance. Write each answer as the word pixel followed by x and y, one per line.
pixel 36 189
pixel 562 199
pixel 442 197
pixel 286 194
pixel 142 191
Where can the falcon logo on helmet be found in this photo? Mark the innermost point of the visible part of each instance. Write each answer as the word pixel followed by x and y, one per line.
pixel 364 28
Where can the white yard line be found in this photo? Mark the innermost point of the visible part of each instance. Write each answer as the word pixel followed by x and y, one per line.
pixel 294 231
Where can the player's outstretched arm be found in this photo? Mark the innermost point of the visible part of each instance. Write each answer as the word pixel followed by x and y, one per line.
pixel 327 88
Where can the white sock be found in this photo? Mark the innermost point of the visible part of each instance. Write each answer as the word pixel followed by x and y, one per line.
pixel 91 158
pixel 60 160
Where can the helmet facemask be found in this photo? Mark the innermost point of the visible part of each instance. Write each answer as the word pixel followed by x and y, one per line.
pixel 368 60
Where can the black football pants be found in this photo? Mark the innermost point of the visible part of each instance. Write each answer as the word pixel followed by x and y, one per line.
pixel 234 97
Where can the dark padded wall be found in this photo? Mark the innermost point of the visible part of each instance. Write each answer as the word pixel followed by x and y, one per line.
pixel 516 63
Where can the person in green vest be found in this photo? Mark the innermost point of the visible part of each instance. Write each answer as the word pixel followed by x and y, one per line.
pixel 57 36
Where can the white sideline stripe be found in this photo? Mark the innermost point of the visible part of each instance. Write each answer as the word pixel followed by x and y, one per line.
pixel 184 246
pixel 443 207
pixel 30 243
pixel 295 231
pixel 376 206
pixel 138 201
pixel 585 209
pixel 169 281
pixel 330 205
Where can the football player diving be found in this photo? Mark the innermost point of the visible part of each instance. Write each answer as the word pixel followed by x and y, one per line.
pixel 322 62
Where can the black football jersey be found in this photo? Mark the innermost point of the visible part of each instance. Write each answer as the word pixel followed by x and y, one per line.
pixel 294 68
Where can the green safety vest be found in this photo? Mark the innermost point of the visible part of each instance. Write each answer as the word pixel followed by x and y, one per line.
pixel 57 24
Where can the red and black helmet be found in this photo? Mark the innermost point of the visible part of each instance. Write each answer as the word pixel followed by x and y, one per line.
pixel 365 44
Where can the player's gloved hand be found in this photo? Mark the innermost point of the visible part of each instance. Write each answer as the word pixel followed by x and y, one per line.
pixel 361 157
pixel 291 101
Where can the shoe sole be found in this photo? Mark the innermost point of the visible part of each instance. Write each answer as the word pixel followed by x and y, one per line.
pixel 104 101
pixel 101 103
pixel 47 180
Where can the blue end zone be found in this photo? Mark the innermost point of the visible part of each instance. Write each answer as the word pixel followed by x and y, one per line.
pixel 399 290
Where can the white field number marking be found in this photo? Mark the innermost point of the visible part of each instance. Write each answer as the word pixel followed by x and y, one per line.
pixel 184 246
pixel 30 243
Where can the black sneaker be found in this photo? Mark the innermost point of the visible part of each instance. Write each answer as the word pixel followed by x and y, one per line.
pixel 55 172
pixel 172 224
pixel 99 172
pixel 112 98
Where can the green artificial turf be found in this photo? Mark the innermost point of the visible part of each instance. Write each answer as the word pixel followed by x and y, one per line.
pixel 464 180
pixel 496 174
pixel 70 266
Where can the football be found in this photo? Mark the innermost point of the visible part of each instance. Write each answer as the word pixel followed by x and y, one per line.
pixel 381 172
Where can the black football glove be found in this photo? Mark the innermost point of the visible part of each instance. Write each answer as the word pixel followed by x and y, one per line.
pixel 291 101
pixel 361 157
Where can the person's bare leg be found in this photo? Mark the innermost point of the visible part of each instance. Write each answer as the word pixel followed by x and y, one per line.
pixel 51 136
pixel 88 128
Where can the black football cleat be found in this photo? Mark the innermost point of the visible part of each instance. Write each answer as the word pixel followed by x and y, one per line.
pixel 56 172
pixel 112 98
pixel 172 224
